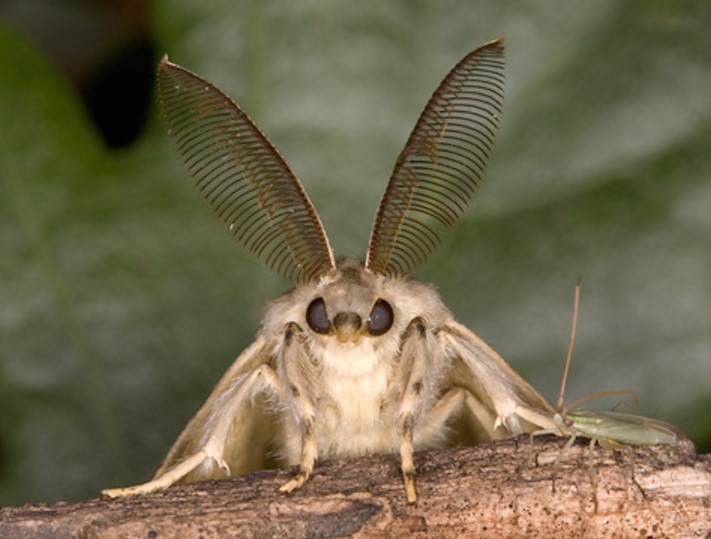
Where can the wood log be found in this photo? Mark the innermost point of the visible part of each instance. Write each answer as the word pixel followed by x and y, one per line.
pixel 510 488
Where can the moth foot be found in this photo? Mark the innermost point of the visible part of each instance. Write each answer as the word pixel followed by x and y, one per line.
pixel 296 482
pixel 172 476
pixel 113 493
pixel 509 422
pixel 410 490
pixel 222 465
pixel 539 418
pixel 145 488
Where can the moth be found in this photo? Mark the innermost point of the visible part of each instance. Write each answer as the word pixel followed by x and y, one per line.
pixel 358 358
pixel 610 430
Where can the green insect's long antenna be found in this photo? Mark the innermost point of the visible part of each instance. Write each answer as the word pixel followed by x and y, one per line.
pixel 576 304
pixel 605 393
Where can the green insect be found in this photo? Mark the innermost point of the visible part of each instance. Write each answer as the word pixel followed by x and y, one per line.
pixel 614 430
pixel 611 430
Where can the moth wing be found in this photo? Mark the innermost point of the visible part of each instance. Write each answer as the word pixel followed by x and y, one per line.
pixel 253 428
pixel 496 394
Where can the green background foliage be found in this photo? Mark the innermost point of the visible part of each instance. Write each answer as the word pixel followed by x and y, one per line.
pixel 122 300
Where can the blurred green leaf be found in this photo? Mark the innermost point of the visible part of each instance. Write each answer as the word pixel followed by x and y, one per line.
pixel 122 300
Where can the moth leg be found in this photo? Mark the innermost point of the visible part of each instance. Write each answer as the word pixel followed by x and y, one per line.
pixel 482 414
pixel 295 367
pixel 498 388
pixel 309 453
pixel 537 418
pixel 494 425
pixel 449 404
pixel 514 412
pixel 406 457
pixel 414 363
pixel 212 449
pixel 164 481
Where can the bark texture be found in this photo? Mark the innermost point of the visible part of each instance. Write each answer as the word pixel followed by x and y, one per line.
pixel 504 489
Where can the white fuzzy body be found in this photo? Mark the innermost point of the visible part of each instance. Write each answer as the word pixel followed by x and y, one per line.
pixel 351 420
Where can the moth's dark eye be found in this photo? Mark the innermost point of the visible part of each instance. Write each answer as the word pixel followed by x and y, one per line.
pixel 381 318
pixel 317 317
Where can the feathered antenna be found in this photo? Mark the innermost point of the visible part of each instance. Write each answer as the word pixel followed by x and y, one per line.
pixel 242 176
pixel 442 164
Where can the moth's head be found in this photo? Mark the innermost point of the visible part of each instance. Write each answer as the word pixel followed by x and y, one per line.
pixel 351 304
pixel 348 305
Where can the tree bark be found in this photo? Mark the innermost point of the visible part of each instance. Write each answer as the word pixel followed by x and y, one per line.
pixel 509 488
